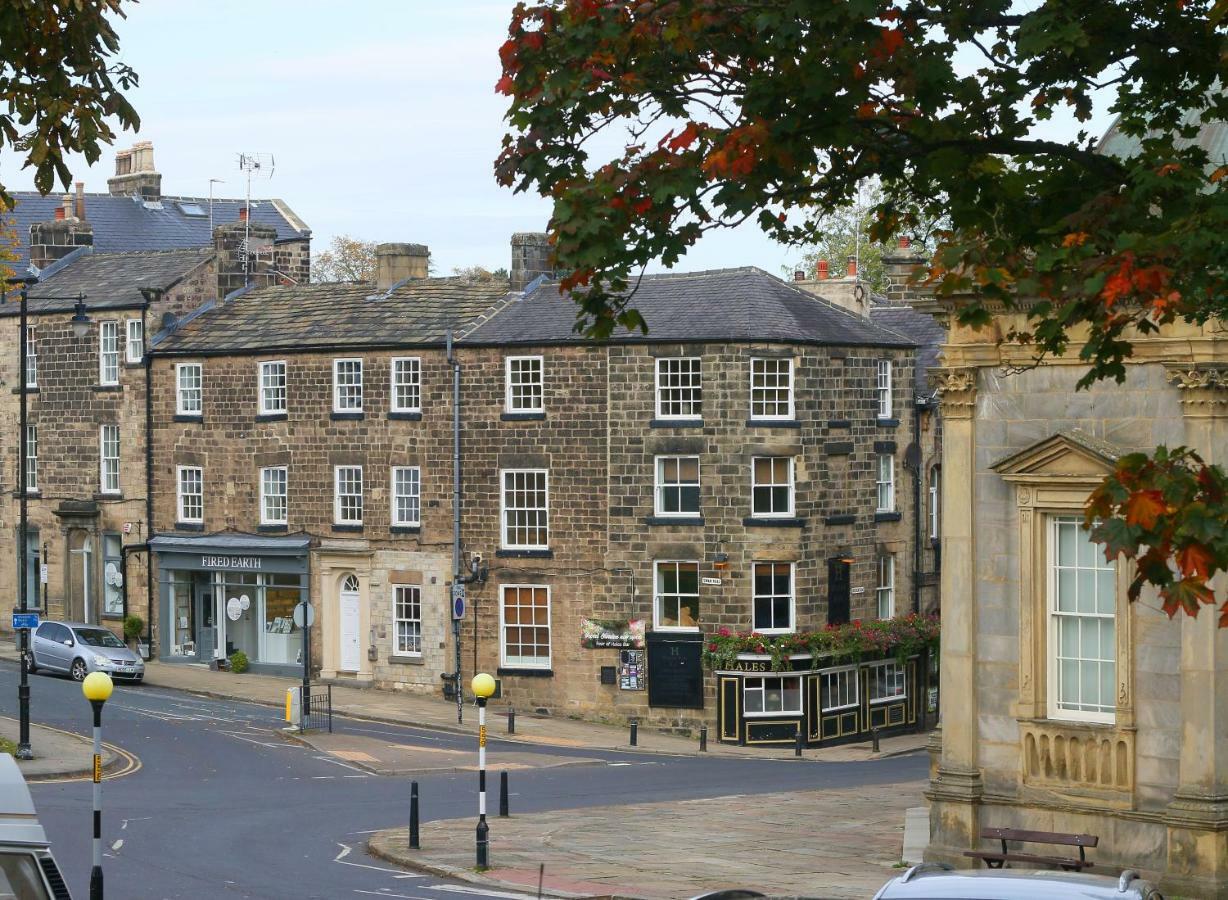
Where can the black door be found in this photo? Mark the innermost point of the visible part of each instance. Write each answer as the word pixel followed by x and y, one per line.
pixel 837 591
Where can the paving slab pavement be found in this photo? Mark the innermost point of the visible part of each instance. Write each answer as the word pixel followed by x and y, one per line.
pixel 840 843
pixel 60 754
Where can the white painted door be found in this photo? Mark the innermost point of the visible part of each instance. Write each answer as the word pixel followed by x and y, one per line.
pixel 348 617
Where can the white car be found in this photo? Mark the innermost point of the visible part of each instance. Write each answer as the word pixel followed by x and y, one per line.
pixel 935 881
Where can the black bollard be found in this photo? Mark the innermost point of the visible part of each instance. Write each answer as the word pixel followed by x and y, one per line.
pixel 503 795
pixel 511 721
pixel 874 740
pixel 413 816
pixel 797 749
pixel 635 728
pixel 703 738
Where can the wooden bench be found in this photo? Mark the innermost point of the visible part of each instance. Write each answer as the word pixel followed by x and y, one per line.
pixel 996 859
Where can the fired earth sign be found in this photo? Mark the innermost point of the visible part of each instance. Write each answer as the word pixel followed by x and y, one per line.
pixel 230 562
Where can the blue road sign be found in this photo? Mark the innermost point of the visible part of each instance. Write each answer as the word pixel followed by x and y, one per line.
pixel 25 620
pixel 458 601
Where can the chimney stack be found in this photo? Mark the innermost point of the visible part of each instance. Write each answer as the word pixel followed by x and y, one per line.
pixel 135 173
pixel 898 269
pixel 822 270
pixel 51 241
pixel 530 258
pixel 396 262
pixel 244 255
pixel 81 200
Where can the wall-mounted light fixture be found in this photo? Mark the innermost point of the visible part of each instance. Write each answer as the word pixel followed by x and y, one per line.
pixel 720 561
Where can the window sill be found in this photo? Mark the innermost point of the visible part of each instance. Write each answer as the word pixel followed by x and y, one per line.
pixel 838 448
pixel 767 715
pixel 768 522
pixel 272 529
pixel 189 417
pixel 839 423
pixel 396 660
pixel 525 554
pixel 842 519
pixel 405 415
pixel 671 629
pixel 29 390
pixel 524 672
pixel 349 529
pixel 773 423
pixel 189 526
pixel 887 423
pixel 30 495
pixel 522 417
pixel 134 364
pixel 112 496
pixel 673 520
pixel 888 516
pixel 884 446
pixel 345 416
pixel 676 423
pixel 106 388
pixel 272 417
pixel 405 529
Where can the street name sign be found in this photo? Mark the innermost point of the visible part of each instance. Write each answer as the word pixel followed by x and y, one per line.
pixel 25 620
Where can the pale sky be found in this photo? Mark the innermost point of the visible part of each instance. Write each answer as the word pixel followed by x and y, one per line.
pixel 381 118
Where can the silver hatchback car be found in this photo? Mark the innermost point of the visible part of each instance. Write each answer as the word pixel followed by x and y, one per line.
pixel 933 881
pixel 76 649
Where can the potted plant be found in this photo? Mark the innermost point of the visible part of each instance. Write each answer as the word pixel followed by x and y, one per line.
pixel 133 626
pixel 238 662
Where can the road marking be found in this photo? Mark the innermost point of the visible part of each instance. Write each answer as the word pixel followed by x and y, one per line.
pixel 616 765
pixel 337 762
pixel 134 819
pixel 323 777
pixel 117 844
pixel 382 893
pixel 485 892
pixel 346 849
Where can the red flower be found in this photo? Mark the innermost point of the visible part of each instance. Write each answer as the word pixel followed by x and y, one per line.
pixel 712 648
pixel 724 632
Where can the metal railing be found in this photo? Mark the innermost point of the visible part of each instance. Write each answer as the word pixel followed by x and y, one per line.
pixel 318 708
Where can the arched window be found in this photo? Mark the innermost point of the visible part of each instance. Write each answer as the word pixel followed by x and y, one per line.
pixel 349 584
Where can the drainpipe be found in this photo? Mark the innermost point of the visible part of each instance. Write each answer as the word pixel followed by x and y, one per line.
pixel 919 406
pixel 151 295
pixel 456 522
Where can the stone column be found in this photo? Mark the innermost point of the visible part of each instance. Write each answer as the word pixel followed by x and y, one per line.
pixel 1197 818
pixel 956 790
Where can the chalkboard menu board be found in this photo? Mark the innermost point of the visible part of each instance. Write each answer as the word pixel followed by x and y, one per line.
pixel 675 670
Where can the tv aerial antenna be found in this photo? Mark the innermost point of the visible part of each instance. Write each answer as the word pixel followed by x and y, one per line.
pixel 253 165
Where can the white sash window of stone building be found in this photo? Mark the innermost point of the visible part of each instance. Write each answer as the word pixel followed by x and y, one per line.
pixel 347 385
pixel 886 483
pixel 771 486
pixel 108 352
pixel 347 495
pixel 190 493
pixel 31 459
pixel 134 345
pixel 31 358
pixel 773 597
pixel 525 509
pixel 272 387
pixel 524 626
pixel 407 620
pixel 274 503
pixel 1082 643
pixel 680 393
pixel 406 495
pixel 885 681
pixel 771 388
pixel 189 391
pixel 885 592
pixel 772 694
pixel 406 384
pixel 839 689
pixel 677 488
pixel 109 447
pixel 525 391
pixel 883 386
pixel 676 595
pixel 935 497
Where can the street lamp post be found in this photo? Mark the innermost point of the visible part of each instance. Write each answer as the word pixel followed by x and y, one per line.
pixel 97 688
pixel 483 686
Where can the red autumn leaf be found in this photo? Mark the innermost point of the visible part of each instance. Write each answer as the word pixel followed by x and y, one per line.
pixel 504 85
pixel 1195 560
pixel 686 138
pixel 1219 174
pixel 1168 168
pixel 642 206
pixel 866 110
pixel 1144 508
pixel 891 40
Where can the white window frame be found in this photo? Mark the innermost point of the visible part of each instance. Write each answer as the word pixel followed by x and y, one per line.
pixel 664 361
pixel 265 496
pixel 519 662
pixel 504 509
pixel 108 466
pixel 338 519
pixel 181 495
pixel 884 389
pixel 847 677
pixel 108 359
pixel 134 339
pixel 264 369
pixel 755 595
pixel 31 366
pixel 403 365
pixel 657 595
pixel 31 459
pixel 181 409
pixel 884 593
pixel 935 497
pixel 337 385
pixel 757 684
pixel 509 384
pixel 789 413
pixel 1052 642
pixel 398 620
pixel 885 483
pixel 660 486
pixel 898 679
pixel 416 495
pixel 790 484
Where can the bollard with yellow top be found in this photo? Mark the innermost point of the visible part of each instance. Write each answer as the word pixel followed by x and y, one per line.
pixel 97 688
pixel 483 686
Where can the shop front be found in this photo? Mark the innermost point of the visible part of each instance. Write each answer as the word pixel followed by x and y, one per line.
pixel 223 593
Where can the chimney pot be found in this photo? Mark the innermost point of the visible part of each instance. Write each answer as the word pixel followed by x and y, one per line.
pixel 59 214
pixel 822 273
pixel 904 242
pixel 799 275
pixel 242 213
pixel 852 267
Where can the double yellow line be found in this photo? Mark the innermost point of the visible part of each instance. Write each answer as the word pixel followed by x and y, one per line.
pixel 129 763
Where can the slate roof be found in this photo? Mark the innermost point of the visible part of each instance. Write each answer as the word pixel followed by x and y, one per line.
pixel 737 305
pixel 921 328
pixel 124 224
pixel 109 280
pixel 1212 136
pixel 328 316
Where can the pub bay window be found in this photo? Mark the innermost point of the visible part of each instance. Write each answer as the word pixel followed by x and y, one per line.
pixel 883 385
pixel 676 596
pixel 771 487
pixel 885 681
pixel 31 459
pixel 771 388
pixel 347 498
pixel 524 626
pixel 886 483
pixel 407 620
pixel 772 694
pixel 677 488
pixel 272 387
pixel 273 496
pixel 885 592
pixel 1082 638
pixel 134 345
pixel 406 388
pixel 189 392
pixel 838 689
pixel 406 496
pixel 347 385
pixel 773 600
pixel 109 452
pixel 31 358
pixel 190 494
pixel 108 352
pixel 679 388
pixel 525 502
pixel 525 390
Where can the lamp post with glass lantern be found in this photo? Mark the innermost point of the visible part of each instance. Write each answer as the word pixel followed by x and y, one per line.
pixel 97 688
pixel 483 686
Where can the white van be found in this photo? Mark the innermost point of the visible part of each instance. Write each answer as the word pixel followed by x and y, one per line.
pixel 27 868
